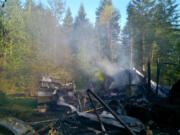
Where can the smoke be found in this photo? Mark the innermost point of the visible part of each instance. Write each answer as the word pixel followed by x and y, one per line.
pixel 75 50
pixel 89 53
pixel 109 68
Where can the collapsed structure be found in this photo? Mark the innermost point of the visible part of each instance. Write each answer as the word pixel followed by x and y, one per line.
pixel 125 105
pixel 126 93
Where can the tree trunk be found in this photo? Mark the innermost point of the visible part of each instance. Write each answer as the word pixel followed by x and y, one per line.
pixel 131 53
pixel 143 53
pixel 111 47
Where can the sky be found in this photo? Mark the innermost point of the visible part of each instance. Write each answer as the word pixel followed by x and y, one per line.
pixel 92 5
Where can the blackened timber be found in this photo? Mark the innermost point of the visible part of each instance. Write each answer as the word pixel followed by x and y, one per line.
pixel 111 111
pixel 98 117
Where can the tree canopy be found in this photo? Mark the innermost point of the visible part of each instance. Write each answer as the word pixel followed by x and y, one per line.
pixel 36 40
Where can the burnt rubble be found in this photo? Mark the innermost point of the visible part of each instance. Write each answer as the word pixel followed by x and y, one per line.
pixel 75 102
pixel 120 106
pixel 129 98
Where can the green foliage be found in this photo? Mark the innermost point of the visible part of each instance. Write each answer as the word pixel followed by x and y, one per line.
pixel 140 16
pixel 99 76
pixel 57 8
pixel 35 41
pixel 68 20
pixel 153 25
pixel 107 24
pixel 81 17
pixel 24 44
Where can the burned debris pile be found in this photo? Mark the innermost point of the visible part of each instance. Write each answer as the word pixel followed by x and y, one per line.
pixel 123 105
pixel 52 94
pixel 126 94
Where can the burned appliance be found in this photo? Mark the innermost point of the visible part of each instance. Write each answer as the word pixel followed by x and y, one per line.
pixel 47 88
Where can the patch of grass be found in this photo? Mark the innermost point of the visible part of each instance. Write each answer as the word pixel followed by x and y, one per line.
pixel 3 99
pixel 27 103
pixel 4 110
pixel 17 106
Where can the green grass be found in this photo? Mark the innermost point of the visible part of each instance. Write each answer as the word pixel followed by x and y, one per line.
pixel 17 106
pixel 27 103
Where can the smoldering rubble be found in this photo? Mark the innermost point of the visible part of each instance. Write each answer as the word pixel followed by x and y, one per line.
pixel 121 106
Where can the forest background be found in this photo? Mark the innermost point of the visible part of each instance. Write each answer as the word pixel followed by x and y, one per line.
pixel 38 40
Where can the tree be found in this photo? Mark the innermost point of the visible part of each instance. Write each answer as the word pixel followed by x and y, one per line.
pixel 3 35
pixel 81 18
pixel 57 8
pixel 68 28
pixel 103 3
pixel 107 24
pixel 99 10
pixel 80 24
pixel 84 42
pixel 125 54
pixel 15 68
pixel 29 5
pixel 68 20
pixel 166 24
pixel 140 16
pixel 167 28
pixel 153 25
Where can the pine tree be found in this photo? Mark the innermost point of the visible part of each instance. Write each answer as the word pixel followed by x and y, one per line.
pixel 81 17
pixel 57 8
pixel 166 32
pixel 80 24
pixel 166 22
pixel 83 41
pixel 99 10
pixel 68 20
pixel 140 18
pixel 125 52
pixel 103 3
pixel 153 25
pixel 29 5
pixel 107 25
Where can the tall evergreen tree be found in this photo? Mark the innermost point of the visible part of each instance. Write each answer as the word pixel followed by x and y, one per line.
pixel 99 10
pixel 68 20
pixel 83 40
pixel 80 24
pixel 140 17
pixel 107 24
pixel 125 52
pixel 3 34
pixel 166 32
pixel 166 24
pixel 81 17
pixel 153 25
pixel 103 3
pixel 67 34
pixel 57 8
